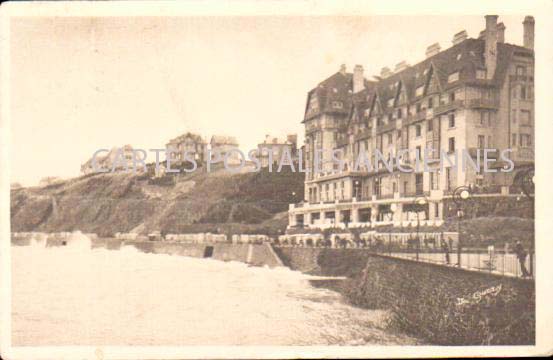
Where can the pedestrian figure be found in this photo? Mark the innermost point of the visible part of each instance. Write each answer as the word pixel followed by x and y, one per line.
pixel 521 255
pixel 445 249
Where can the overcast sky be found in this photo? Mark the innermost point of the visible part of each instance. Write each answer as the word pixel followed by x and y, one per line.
pixel 80 84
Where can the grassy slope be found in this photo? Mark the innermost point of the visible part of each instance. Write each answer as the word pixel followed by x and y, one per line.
pixel 109 203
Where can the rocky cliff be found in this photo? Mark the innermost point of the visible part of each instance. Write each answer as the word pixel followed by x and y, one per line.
pixel 248 202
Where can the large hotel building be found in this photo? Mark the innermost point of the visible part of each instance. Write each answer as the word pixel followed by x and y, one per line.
pixel 478 93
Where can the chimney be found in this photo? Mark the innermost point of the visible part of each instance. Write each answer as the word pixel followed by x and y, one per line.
pixel 490 38
pixel 500 32
pixel 459 37
pixel 292 138
pixel 401 66
pixel 343 69
pixel 358 79
pixel 528 24
pixel 432 50
pixel 385 72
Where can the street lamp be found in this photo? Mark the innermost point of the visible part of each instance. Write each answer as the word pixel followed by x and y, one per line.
pixel 419 202
pixel 460 195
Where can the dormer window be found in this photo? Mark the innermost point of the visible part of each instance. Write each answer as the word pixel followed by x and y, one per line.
pixel 480 74
pixel 453 77
pixel 419 91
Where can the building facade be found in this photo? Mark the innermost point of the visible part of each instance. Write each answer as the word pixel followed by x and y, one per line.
pixel 477 94
pixel 272 148
pixel 226 147
pixel 193 144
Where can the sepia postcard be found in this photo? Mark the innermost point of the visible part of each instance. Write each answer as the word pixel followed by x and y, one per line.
pixel 275 179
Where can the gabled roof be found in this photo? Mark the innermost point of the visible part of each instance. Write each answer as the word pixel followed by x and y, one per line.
pixel 338 87
pixel 361 101
pixel 188 135
pixel 223 140
pixel 466 58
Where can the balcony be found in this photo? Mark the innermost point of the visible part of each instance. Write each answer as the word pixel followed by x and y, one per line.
pixel 363 134
pixel 491 104
pixel 421 115
pixel 522 154
pixel 449 107
pixel 473 152
pixel 385 196
pixel 521 78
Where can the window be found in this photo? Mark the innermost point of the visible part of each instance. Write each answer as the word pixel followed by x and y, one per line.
pixel 481 140
pixel 376 187
pixel 451 144
pixel 398 134
pixel 418 152
pixel 429 124
pixel 448 178
pixel 378 121
pixel 525 117
pixel 523 92
pixel 430 103
pixel 451 118
pixel 525 140
pixel 399 113
pixel 453 77
pixel 390 102
pixel 514 140
pixel 521 70
pixel 417 130
pixel 486 118
pixel 452 96
pixel 389 138
pixel 418 184
pixel 418 108
pixel 419 91
pixel 514 116
pixel 514 93
pixel 480 74
pixel 337 104
pixel 434 181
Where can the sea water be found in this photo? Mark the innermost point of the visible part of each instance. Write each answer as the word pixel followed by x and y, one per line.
pixel 75 295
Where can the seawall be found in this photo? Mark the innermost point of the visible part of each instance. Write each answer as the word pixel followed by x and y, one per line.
pixel 324 261
pixel 254 254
